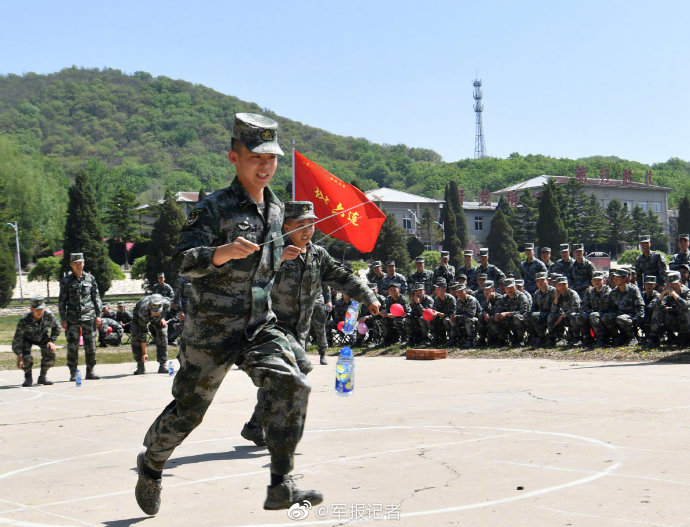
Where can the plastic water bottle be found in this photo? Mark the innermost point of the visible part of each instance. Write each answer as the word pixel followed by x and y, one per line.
pixel 350 322
pixel 171 368
pixel 345 373
pixel 77 378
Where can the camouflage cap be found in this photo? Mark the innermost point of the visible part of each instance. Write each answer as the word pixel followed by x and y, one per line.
pixel 38 302
pixel 621 272
pixel 510 274
pixel 645 238
pixel 650 280
pixel 453 286
pixel 673 277
pixel 445 254
pixel 529 246
pixel 578 247
pixel 161 275
pixel 299 210
pixel 460 287
pixel 121 303
pixel 597 275
pixel 488 284
pixel 418 286
pixel 684 266
pixel 420 259
pixel 519 281
pixel 441 282
pixel 461 276
pixel 546 249
pixel 540 276
pixel 257 132
pixel 565 247
pixel 390 262
pixel 376 263
pixel 76 257
pixel 509 282
pixel 484 251
pixel 468 253
pixel 482 276
pixel 554 276
pixel 156 303
pixel 562 280
pixel 684 237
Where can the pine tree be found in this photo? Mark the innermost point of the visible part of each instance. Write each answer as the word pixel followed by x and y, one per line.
pixel 451 242
pixel 550 229
pixel 8 271
pixel 391 244
pixel 460 220
pixel 121 215
pixel 84 232
pixel 594 224
pixel 638 224
pixel 618 228
pixel 525 219
pixel 684 215
pixel 654 228
pixel 164 236
pixel 501 244
pixel 430 230
pixel 572 209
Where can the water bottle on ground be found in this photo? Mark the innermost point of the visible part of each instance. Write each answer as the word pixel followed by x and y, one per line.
pixel 350 322
pixel 77 379
pixel 171 368
pixel 345 373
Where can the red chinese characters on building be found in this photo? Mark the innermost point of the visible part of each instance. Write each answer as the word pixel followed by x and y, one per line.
pixel 485 198
pixel 581 173
pixel 627 176
pixel 648 177
pixel 604 174
pixel 512 198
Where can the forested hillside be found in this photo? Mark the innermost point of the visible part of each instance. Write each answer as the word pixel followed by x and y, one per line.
pixel 156 133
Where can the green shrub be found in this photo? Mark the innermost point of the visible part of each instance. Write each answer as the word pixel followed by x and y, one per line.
pixel 139 268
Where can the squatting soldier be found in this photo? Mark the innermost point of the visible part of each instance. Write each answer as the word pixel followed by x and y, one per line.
pixel 123 316
pixel 422 275
pixel 683 254
pixel 492 272
pixel 444 307
pixel 444 270
pixel 80 306
pixel 520 286
pixel 489 304
pixel 684 273
pixel 393 276
pixel 39 327
pixel 231 246
pixel 529 268
pixel 650 263
pixel 650 296
pixel 106 313
pixel 510 321
pixel 625 310
pixel 581 272
pixel 563 265
pixel 466 317
pixel 541 309
pixel 366 317
pixel 468 269
pixel 109 332
pixel 161 288
pixel 546 258
pixel 672 313
pixel 564 310
pixel 150 312
pixel 479 292
pixel 394 326
pixel 376 274
pixel 594 303
pixel 417 326
pixel 319 319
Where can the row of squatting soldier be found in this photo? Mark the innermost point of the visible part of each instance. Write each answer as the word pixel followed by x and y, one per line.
pixel 80 307
pixel 297 285
pixel 231 246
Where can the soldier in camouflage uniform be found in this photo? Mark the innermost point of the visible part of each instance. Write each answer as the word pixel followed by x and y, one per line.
pixel 650 296
pixel 672 313
pixel 468 269
pixel 520 287
pixel 466 317
pixel 319 319
pixel 444 270
pixel 376 274
pixel 625 309
pixel 563 265
pixel 529 268
pixel 123 316
pixel 150 312
pixel 417 326
pixel 231 246
pixel 580 273
pixel 422 275
pixel 109 332
pixel 594 303
pixel 489 303
pixel 546 258
pixel 479 292
pixel 650 263
pixel 39 327
pixel 444 308
pixel 297 285
pixel 394 326
pixel 161 288
pixel 393 276
pixel 683 254
pixel 368 319
pixel 492 272
pixel 541 309
pixel 564 310
pixel 510 322
pixel 80 305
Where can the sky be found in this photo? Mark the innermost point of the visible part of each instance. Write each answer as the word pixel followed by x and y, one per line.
pixel 563 79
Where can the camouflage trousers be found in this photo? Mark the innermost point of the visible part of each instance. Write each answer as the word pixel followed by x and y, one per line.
pixel 671 321
pixel 47 358
pixel 558 331
pixel 394 328
pixel 319 316
pixel 509 329
pixel 112 339
pixel 417 329
pixel 270 364
pixel 440 329
pixel 487 330
pixel 538 323
pixel 605 324
pixel 464 327
pixel 583 324
pixel 88 331
pixel 161 339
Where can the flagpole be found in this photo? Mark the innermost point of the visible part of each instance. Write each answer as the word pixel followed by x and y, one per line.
pixel 293 170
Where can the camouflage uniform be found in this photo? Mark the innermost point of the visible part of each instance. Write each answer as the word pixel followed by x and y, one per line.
pixel 163 289
pixel 39 332
pixel 417 326
pixel 580 275
pixel 142 320
pixel 124 317
pixel 447 272
pixel 426 277
pixel 650 303
pixel 652 265
pixel 471 274
pixel 511 330
pixel 678 260
pixel 486 330
pixel 114 338
pixel 319 318
pixel 562 267
pixel 440 326
pixel 625 309
pixel 529 299
pixel 672 314
pixel 394 327
pixel 375 279
pixel 529 270
pixel 568 305
pixel 541 309
pixel 397 277
pixel 492 272
pixel 79 304
pixel 368 319
pixel 592 305
pixel 229 320
pixel 549 265
pixel 467 316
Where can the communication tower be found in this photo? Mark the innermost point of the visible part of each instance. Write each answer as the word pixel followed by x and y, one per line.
pixel 479 145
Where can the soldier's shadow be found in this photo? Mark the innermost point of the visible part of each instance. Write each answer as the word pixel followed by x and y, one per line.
pixel 238 452
pixel 127 522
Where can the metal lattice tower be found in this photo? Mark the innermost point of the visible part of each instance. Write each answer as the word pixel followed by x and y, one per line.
pixel 479 145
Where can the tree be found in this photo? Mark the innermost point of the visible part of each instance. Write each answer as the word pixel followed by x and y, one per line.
pixel 414 246
pixel 46 269
pixel 573 208
pixel 501 244
pixel 617 232
pixel 638 224
pixel 593 224
pixel 8 271
pixel 684 215
pixel 430 230
pixel 451 242
pixel 656 231
pixel 121 214
pixel 525 219
pixel 84 232
pixel 164 236
pixel 550 228
pixel 391 244
pixel 460 218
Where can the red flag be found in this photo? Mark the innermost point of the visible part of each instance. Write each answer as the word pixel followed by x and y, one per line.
pixel 360 221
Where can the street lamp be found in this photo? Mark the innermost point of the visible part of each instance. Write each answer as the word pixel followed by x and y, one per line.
pixel 15 226
pixel 415 216
pixel 443 229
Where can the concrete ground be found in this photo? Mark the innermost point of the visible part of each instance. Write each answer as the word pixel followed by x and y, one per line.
pixel 464 442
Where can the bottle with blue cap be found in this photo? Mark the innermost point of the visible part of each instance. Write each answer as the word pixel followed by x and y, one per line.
pixel 345 373
pixel 351 316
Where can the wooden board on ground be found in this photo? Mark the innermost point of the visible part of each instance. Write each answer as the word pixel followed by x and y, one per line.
pixel 425 354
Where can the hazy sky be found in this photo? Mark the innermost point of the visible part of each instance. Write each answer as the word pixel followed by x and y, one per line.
pixel 562 79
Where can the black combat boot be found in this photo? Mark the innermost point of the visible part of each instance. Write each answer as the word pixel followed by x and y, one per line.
pixel 28 379
pixel 42 379
pixel 91 375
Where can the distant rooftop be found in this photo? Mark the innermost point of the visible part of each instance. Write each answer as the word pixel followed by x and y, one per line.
pixel 180 197
pixel 539 181
pixel 398 196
